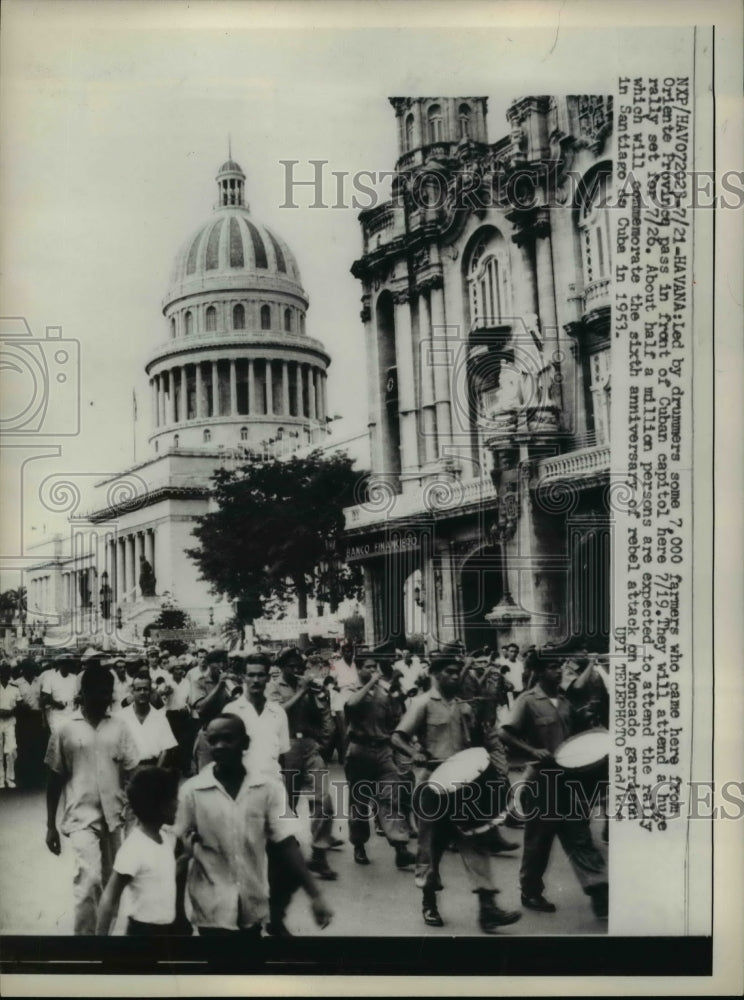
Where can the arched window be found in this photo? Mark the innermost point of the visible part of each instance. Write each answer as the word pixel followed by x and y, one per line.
pixel 434 118
pixel 211 319
pixel 176 439
pixel 238 317
pixel 243 433
pixel 489 284
pixel 409 132
pixel 157 446
pixel 302 323
pixel 288 320
pixel 188 323
pixel 207 436
pixel 173 326
pixel 594 226
pixel 599 387
pixel 463 117
pixel 265 318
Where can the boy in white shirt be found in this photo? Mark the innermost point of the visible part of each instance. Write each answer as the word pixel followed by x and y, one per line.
pixel 145 864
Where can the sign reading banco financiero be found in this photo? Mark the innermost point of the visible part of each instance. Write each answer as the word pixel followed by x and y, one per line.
pixel 387 546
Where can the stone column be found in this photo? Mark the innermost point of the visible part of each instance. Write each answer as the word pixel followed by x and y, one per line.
pixel 300 394
pixel 427 361
pixel 131 568
pixel 285 388
pixel 269 388
pixel 184 408
pixel 251 388
pixel 199 386
pixel 233 389
pixel 406 385
pixel 311 403
pixel 154 400
pixel 119 570
pixel 215 390
pixel 369 607
pixel 442 371
pixel 172 395
pixel 374 398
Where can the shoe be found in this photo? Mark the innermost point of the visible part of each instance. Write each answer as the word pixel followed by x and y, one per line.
pixel 11 784
pixel 278 929
pixel 404 858
pixel 431 915
pixel 497 842
pixel 491 916
pixel 319 866
pixel 600 901
pixel 360 855
pixel 336 844
pixel 539 903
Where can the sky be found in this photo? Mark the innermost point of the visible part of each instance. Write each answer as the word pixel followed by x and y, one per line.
pixel 115 119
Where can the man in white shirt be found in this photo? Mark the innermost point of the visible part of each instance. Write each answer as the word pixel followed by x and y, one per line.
pixel 58 691
pixel 267 727
pixel 149 726
pixel 9 698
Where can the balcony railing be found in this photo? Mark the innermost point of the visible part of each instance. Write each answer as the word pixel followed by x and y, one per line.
pixel 596 294
pixel 574 464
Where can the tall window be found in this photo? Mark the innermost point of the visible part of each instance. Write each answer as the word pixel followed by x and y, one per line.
pixel 243 433
pixel 211 319
pixel 288 320
pixel 434 118
pixel 173 326
pixel 409 132
pixel 302 323
pixel 594 226
pixel 463 117
pixel 176 439
pixel 188 323
pixel 489 284
pixel 238 317
pixel 265 318
pixel 599 387
pixel 207 436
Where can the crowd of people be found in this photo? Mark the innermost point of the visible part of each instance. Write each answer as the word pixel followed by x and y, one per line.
pixel 175 779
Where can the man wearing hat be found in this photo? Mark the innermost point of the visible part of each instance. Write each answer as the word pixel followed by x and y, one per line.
pixel 444 725
pixel 310 725
pixel 371 717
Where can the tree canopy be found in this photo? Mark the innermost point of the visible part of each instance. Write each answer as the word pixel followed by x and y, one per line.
pixel 276 533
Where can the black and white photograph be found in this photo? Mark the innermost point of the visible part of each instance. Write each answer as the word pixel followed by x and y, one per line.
pixel 359 458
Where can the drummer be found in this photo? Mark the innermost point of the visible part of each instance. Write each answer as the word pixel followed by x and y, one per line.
pixel 541 719
pixel 445 724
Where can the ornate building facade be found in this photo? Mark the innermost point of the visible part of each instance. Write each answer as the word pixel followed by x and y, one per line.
pixel 235 375
pixel 486 310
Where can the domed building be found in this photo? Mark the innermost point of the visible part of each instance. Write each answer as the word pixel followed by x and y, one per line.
pixel 235 376
pixel 237 367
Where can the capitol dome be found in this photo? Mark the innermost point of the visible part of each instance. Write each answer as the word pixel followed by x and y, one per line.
pixel 236 366
pixel 233 249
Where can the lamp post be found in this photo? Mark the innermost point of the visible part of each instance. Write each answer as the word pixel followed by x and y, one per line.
pixel 104 595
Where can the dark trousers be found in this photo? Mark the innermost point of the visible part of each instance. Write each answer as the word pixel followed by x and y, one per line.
pixel 374 781
pixel 140 928
pixel 32 739
pixel 283 885
pixel 304 767
pixel 180 723
pixel 552 813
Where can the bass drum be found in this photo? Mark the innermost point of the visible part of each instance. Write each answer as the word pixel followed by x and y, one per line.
pixel 468 789
pixel 584 759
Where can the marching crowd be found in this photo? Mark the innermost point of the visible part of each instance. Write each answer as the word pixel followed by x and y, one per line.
pixel 175 779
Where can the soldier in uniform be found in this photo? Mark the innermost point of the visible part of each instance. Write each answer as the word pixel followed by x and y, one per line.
pixel 371 716
pixel 445 724
pixel 542 718
pixel 310 724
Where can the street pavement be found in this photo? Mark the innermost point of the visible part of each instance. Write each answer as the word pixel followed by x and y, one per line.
pixel 374 900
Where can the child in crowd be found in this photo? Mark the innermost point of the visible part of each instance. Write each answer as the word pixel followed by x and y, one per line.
pixel 145 865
